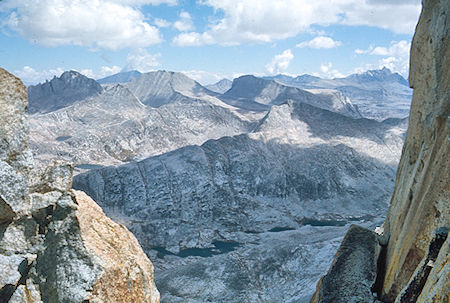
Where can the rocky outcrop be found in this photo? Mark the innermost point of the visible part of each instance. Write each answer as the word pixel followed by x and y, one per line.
pixel 414 266
pixel 421 197
pixel 70 87
pixel 56 245
pixel 353 270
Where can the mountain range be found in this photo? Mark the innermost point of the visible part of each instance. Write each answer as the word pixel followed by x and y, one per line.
pixel 242 196
pixel 379 94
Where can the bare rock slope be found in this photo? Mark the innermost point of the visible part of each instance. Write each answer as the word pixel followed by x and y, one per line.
pixel 56 245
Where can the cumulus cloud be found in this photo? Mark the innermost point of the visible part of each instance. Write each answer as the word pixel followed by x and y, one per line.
pixel 141 60
pixel 397 16
pixel 30 76
pixel 320 42
pixel 146 2
pixel 205 77
pixel 192 39
pixel 396 56
pixel 184 24
pixel 104 72
pixel 327 71
pixel 96 24
pixel 280 62
pixel 243 21
pixel 162 22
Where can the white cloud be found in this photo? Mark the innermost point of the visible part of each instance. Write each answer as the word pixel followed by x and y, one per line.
pixel 141 60
pixel 30 76
pixel 184 24
pixel 146 2
pixel 162 23
pixel 104 72
pixel 205 77
pixel 280 62
pixel 397 16
pixel 244 21
pixel 327 71
pixel 192 39
pixel 396 56
pixel 320 42
pixel 103 24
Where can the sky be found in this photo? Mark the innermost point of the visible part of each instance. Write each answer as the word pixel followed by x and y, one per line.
pixel 207 40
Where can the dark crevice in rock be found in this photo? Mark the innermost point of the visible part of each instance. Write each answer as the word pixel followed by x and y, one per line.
pixel 381 272
pixel 6 293
pixel 8 290
pixel 43 218
pixel 414 289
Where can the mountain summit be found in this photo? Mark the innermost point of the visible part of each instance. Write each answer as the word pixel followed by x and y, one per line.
pixel 69 88
pixel 158 88
pixel 380 75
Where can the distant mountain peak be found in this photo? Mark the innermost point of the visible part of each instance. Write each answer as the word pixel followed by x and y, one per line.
pixel 381 75
pixel 61 91
pixel 122 77
pixel 161 87
pixel 221 86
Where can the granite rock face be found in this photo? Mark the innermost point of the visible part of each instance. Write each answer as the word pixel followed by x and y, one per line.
pixel 56 245
pixel 420 203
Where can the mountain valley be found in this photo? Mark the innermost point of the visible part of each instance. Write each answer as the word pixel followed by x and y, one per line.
pixel 244 194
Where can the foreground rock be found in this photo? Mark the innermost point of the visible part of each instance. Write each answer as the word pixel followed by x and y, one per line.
pixel 353 270
pixel 56 245
pixel 415 265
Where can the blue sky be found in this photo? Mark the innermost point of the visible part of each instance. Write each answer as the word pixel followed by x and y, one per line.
pixel 206 39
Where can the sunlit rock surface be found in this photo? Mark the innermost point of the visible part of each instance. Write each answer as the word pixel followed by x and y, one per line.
pixel 420 203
